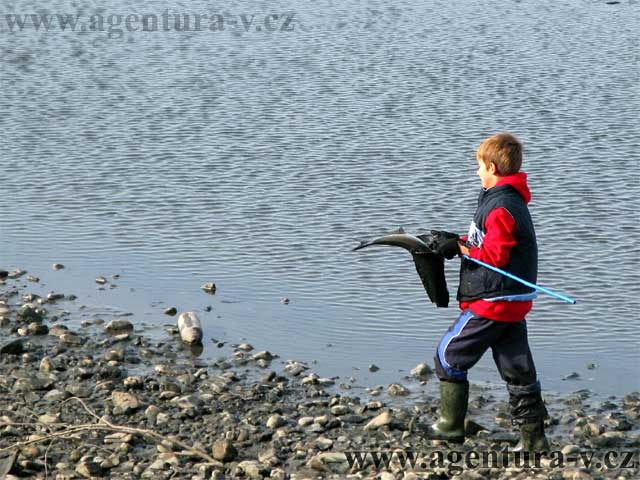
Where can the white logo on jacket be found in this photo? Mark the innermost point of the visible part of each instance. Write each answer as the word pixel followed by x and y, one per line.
pixel 475 235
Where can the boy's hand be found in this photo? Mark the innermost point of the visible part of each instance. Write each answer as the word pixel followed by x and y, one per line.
pixel 445 243
pixel 464 250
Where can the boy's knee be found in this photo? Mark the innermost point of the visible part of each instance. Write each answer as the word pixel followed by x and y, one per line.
pixel 447 373
pixel 517 377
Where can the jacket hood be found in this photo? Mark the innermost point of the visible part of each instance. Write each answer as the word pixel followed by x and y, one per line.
pixel 519 182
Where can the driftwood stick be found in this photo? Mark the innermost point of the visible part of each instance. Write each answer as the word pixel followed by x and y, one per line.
pixel 104 424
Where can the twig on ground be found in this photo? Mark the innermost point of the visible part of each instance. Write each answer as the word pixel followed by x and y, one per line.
pixel 105 425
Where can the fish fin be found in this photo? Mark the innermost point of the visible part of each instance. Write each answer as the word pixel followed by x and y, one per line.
pixel 430 269
pixel 363 244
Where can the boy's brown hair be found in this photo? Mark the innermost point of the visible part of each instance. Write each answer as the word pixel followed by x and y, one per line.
pixel 504 150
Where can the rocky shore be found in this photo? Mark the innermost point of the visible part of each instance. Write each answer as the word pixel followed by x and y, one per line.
pixel 85 397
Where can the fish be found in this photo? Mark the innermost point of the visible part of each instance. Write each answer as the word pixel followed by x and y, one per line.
pixel 429 265
pixel 398 238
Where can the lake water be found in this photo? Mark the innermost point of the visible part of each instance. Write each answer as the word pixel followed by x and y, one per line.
pixel 257 160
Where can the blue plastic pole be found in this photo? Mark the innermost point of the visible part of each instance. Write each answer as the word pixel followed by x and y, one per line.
pixel 524 282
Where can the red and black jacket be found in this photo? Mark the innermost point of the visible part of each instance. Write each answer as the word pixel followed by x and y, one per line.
pixel 502 235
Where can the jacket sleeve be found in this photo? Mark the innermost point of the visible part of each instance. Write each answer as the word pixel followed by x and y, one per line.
pixel 499 239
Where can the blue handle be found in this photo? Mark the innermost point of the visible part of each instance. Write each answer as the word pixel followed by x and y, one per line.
pixel 524 282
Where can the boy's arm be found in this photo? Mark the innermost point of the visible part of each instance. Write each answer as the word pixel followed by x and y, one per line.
pixel 499 239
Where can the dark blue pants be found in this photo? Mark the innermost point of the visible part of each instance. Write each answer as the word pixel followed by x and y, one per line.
pixel 466 341
pixel 471 335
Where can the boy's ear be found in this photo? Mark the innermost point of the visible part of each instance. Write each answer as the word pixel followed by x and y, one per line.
pixel 493 170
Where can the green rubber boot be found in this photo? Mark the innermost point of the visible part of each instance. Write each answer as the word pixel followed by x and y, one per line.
pixel 454 398
pixel 528 412
pixel 532 438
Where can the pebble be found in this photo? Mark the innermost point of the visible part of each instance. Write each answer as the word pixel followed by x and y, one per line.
pixel 16 273
pixel 30 313
pixel 171 311
pixel 396 390
pixel 263 355
pixel 305 421
pixel 46 365
pixel 381 420
pixel 323 443
pixel 89 469
pixel 118 326
pixel 124 402
pixel 421 370
pixel 276 421
pixel 209 287
pixel 133 382
pixel 35 328
pixel 245 347
pixel 224 451
pixel 338 410
pixel 253 469
pixel 373 368
pixel 57 266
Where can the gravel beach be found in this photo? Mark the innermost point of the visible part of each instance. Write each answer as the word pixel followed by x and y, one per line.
pixel 107 398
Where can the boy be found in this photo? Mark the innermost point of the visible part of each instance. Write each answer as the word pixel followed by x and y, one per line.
pixel 493 306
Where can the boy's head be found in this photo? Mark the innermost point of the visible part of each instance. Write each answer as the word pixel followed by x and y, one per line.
pixel 498 156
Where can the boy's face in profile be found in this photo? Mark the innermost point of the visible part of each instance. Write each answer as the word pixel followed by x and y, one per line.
pixel 487 174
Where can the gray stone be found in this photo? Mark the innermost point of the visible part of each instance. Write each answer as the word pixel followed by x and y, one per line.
pixel 276 421
pixel 89 469
pixel 396 389
pixel 133 382
pixel 323 443
pixel 46 365
pixel 253 469
pixel 224 451
pixel 124 402
pixel 338 410
pixel 334 462
pixel 421 371
pixel 380 421
pixel 33 383
pixel 35 328
pixel 71 339
pixel 165 460
pixel 305 421
pixel 294 368
pixel 264 355
pixel 29 313
pixel 118 326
